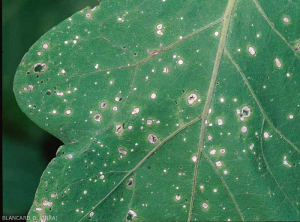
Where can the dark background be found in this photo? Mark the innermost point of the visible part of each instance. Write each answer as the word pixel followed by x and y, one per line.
pixel 27 149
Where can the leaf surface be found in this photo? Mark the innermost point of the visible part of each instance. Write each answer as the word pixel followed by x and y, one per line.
pixel 169 111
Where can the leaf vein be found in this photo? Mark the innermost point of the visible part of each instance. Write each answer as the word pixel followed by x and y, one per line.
pixel 259 8
pixel 226 22
pixel 258 103
pixel 143 160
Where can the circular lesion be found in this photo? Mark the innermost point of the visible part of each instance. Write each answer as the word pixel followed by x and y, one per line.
pixel 39 67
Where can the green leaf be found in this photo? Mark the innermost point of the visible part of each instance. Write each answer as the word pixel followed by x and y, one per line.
pixel 169 111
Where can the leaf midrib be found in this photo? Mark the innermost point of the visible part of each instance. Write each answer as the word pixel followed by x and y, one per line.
pixel 203 116
pixel 221 47
pixel 220 51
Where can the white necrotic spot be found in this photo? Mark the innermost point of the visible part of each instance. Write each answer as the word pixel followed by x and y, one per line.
pixel 130 182
pixel 45 46
pixel 244 129
pixel 118 99
pixel 39 53
pixel 251 50
pixel 220 122
pixel 291 116
pixel 285 162
pixel 201 187
pixel 135 111
pixel 39 67
pixel 205 205
pixel 194 158
pixel 222 151
pixel 115 108
pixel 96 66
pixel 131 214
pixel 47 203
pixel 245 113
pixel 285 20
pixel 212 152
pixel 215 190
pixel 30 88
pixel 288 75
pixel 68 111
pixel 149 122
pixel 54 111
pixel 85 192
pixel 278 63
pixel 152 138
pixel 92 214
pixel 97 117
pixel 159 26
pixel 166 70
pixel 88 15
pixel 216 33
pixel 251 146
pixel 122 152
pixel 130 127
pixel 218 163
pixel 70 156
pixel 118 129
pixel 266 135
pixel 177 197
pixel 222 100
pixel 159 32
pixel 103 105
pixel 192 98
pixel 180 62
pixel 209 137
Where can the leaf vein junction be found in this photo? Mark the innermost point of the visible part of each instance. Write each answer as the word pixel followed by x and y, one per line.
pixel 226 22
pixel 144 160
